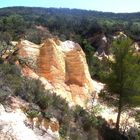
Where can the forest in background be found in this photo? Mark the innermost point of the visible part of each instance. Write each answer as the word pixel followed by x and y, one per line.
pixel 73 24
pixel 84 27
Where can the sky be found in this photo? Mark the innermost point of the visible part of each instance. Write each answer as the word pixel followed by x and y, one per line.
pixel 117 6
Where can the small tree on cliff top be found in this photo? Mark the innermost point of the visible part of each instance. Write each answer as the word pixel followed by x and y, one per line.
pixel 123 77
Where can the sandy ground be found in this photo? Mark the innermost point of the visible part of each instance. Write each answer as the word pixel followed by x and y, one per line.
pixel 109 112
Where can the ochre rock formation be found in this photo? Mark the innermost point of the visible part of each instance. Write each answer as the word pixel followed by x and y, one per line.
pixel 61 66
pixel 51 63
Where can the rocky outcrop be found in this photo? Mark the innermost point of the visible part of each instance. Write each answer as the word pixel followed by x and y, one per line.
pixel 103 46
pixel 15 124
pixel 60 65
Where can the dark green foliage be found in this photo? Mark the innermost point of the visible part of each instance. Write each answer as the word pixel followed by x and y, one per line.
pixel 88 119
pixel 63 131
pixel 60 103
pixel 10 81
pixel 30 90
pixel 93 62
pixel 66 23
pixel 32 113
pixel 134 133
pixel 12 26
pixel 137 116
pixel 111 134
pixel 96 67
pixel 123 77
pixel 37 35
pixel 5 37
pixel 45 100
pixel 10 76
pixel 48 115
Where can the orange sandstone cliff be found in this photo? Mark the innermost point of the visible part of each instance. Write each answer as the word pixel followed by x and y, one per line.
pixel 61 66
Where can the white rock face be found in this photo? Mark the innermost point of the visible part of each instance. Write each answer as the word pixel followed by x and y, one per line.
pixel 98 86
pixel 13 127
pixel 104 38
pixel 109 113
pixel 69 46
pixel 137 47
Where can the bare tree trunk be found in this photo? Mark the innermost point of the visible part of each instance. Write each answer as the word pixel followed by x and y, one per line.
pixel 119 113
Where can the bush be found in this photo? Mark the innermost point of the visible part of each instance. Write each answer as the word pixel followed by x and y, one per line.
pixel 10 78
pixel 31 90
pixel 111 134
pixel 37 36
pixel 32 113
pixel 63 131
pixel 45 100
pixel 48 115
pixel 60 103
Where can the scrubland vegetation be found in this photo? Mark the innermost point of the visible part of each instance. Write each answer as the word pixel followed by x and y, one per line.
pixel 121 75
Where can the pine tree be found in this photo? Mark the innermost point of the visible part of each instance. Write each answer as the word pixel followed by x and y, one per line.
pixel 123 77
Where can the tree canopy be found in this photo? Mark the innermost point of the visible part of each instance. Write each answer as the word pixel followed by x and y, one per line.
pixel 123 77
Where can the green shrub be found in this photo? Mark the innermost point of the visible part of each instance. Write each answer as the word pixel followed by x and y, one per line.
pixel 10 78
pixel 31 90
pixel 48 115
pixel 44 101
pixel 32 113
pixel 3 96
pixel 63 131
pixel 60 103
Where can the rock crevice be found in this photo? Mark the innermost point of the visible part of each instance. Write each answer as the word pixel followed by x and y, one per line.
pixel 63 65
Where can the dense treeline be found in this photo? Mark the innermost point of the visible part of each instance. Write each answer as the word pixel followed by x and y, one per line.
pixel 75 24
